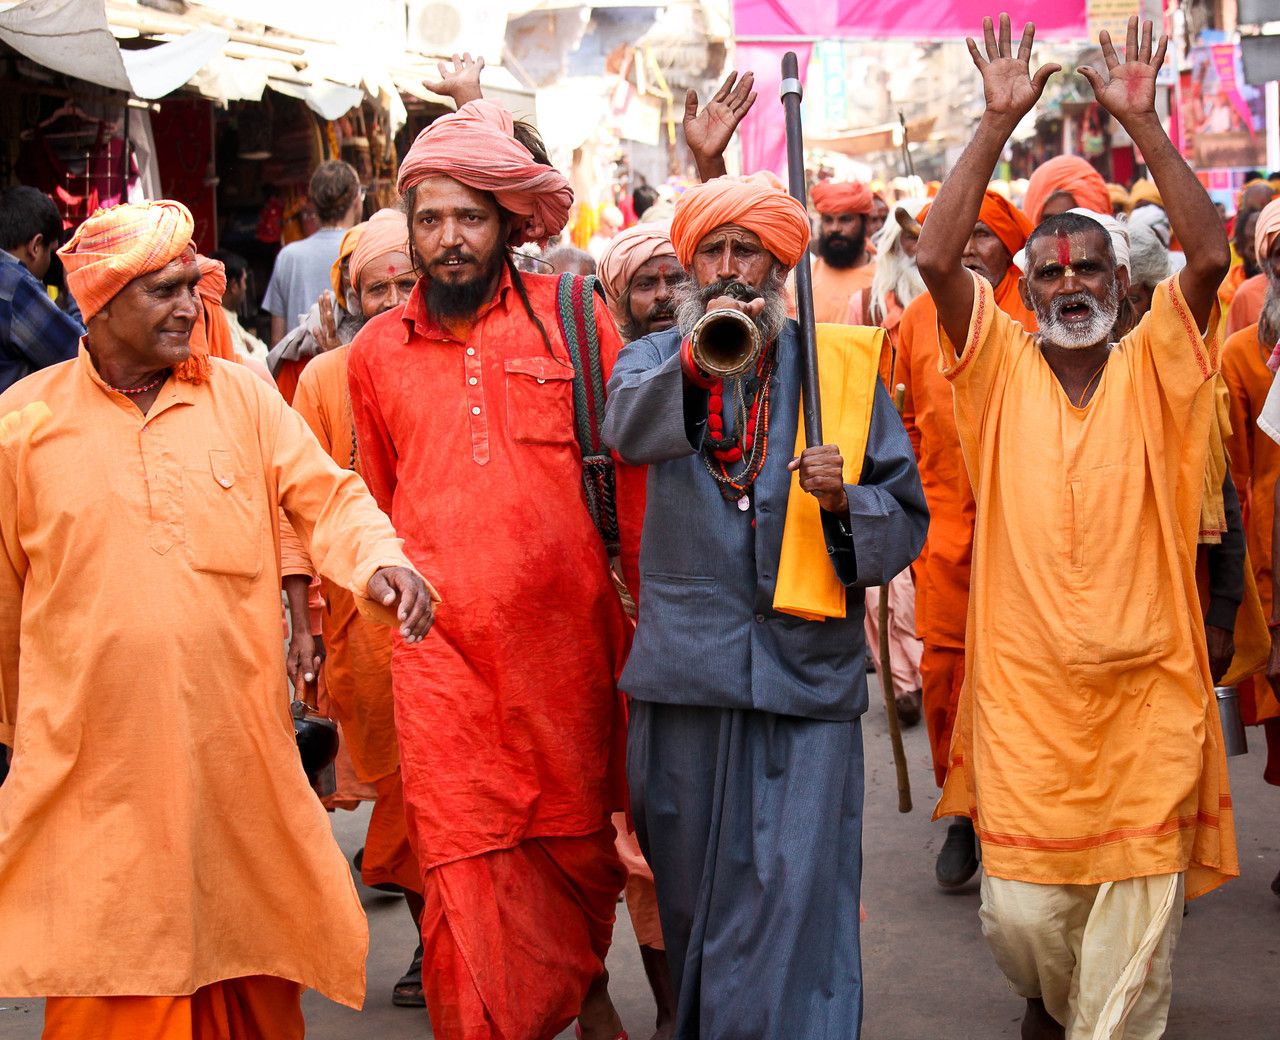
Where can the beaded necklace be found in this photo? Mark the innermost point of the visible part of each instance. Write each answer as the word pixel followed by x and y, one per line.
pixel 133 392
pixel 750 443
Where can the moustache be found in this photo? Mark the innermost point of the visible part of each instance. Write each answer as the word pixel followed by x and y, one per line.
pixel 661 312
pixel 456 253
pixel 729 287
pixel 1075 299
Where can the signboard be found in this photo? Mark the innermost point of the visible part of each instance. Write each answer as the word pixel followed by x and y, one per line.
pixel 1112 15
pixel 1222 120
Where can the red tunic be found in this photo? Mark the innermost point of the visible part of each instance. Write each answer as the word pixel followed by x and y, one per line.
pixel 507 714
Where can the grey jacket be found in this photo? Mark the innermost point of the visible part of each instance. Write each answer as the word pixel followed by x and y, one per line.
pixel 707 632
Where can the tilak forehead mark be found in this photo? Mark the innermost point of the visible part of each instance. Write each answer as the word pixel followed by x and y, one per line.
pixel 1064 248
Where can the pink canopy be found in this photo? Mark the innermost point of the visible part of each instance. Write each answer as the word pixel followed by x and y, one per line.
pixel 763 141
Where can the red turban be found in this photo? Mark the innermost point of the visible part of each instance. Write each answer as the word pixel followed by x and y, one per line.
pixel 387 231
pixel 832 198
pixel 755 203
pixel 476 147
pixel 630 250
pixel 1073 175
pixel 1267 229
pixel 115 246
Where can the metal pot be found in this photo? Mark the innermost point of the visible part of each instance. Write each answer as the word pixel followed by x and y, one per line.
pixel 1234 741
pixel 317 737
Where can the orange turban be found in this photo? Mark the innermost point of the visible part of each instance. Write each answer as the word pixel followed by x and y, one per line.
pixel 630 250
pixel 1006 221
pixel 211 335
pixel 387 231
pixel 476 147
pixel 832 198
pixel 345 249
pixel 1119 196
pixel 115 246
pixel 1268 227
pixel 755 203
pixel 1073 175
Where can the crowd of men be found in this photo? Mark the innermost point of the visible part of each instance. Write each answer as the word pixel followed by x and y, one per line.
pixel 593 616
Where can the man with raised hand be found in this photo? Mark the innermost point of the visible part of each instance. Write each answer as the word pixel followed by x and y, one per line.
pixel 1088 747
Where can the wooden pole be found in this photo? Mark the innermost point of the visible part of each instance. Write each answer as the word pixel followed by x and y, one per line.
pixel 886 674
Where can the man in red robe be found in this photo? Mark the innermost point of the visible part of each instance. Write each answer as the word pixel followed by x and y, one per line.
pixel 509 717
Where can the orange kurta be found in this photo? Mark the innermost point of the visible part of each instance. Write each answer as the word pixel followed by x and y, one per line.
pixel 1246 307
pixel 942 572
pixel 834 289
pixel 1255 466
pixel 357 668
pixel 508 715
pixel 157 833
pixel 1088 747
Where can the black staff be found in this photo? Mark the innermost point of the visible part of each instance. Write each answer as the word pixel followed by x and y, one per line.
pixel 792 92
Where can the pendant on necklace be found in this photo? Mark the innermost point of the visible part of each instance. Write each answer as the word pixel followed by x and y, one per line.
pixel 744 503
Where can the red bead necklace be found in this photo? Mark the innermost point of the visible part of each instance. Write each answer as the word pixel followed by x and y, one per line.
pixel 750 443
pixel 142 389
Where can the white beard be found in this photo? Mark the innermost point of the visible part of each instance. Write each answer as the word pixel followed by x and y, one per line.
pixel 1102 318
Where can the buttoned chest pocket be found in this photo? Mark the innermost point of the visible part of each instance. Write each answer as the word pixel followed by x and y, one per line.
pixel 223 513
pixel 539 400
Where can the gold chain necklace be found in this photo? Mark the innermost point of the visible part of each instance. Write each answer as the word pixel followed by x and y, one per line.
pixel 1080 402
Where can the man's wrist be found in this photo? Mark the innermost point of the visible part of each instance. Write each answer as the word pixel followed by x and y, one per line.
pixel 1003 123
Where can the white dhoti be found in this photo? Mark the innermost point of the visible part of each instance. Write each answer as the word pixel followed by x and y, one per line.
pixel 1099 956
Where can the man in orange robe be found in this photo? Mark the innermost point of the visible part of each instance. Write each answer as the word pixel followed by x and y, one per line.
pixel 1255 463
pixel 356 672
pixel 141 678
pixel 1088 748
pixel 844 266
pixel 942 572
pixel 509 717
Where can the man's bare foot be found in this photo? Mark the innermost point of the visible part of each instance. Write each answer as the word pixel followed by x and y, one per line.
pixel 658 972
pixel 598 1018
pixel 1038 1024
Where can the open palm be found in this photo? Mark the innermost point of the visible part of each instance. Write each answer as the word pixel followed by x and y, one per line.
pixel 1130 87
pixel 1007 82
pixel 707 132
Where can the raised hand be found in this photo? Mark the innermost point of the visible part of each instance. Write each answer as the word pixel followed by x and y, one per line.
pixel 707 133
pixel 1130 87
pixel 1010 88
pixel 462 82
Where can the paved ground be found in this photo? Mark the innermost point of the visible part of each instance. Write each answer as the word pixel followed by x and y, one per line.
pixel 928 973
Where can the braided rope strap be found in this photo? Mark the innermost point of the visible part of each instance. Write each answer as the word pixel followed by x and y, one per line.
pixel 577 316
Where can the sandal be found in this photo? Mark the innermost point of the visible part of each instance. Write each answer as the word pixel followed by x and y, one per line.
pixel 408 991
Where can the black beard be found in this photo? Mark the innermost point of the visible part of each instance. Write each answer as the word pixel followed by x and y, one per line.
pixel 461 299
pixel 841 251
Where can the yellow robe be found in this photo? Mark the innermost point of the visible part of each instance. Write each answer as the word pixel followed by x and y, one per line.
pixel 1088 747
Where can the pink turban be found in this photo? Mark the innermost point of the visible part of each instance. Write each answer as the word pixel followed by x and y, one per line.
pixel 115 246
pixel 387 231
pixel 630 250
pixel 1268 227
pixel 755 203
pixel 476 147
pixel 1073 175
pixel 833 198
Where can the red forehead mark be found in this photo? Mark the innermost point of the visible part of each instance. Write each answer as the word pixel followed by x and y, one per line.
pixel 392 269
pixel 1064 248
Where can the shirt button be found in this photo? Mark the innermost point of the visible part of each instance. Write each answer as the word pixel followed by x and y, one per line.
pixel 475 410
pixel 473 380
pixel 759 619
pixel 541 380
pixel 471 351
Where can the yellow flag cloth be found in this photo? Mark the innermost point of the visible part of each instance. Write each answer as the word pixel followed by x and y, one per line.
pixel 848 367
pixel 1213 511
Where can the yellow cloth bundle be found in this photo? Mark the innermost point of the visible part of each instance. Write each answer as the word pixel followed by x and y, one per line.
pixel 848 368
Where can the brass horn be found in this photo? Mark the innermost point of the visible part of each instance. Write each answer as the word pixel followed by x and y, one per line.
pixel 725 344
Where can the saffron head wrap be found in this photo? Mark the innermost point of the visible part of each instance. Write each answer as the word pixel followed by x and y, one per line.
pixel 629 251
pixel 345 249
pixel 756 203
pixel 832 198
pixel 1268 227
pixel 476 146
pixel 1073 175
pixel 387 231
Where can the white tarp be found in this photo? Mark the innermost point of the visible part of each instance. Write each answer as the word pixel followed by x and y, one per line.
pixel 72 36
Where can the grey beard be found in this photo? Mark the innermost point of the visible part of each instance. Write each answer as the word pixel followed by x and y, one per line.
pixel 1055 332
pixel 1269 319
pixel 691 304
